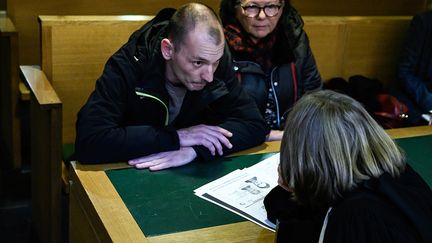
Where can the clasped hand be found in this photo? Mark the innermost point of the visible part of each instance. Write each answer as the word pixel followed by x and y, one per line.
pixel 211 137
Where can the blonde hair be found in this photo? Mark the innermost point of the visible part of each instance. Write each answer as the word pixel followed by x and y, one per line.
pixel 331 144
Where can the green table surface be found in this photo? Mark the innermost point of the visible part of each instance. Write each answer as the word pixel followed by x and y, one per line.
pixel 163 202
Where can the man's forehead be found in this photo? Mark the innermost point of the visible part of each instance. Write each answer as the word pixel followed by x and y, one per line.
pixel 208 53
pixel 202 45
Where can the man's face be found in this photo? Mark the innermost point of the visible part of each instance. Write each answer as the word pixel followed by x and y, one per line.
pixel 195 60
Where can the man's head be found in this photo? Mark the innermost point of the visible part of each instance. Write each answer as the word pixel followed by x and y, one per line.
pixel 194 46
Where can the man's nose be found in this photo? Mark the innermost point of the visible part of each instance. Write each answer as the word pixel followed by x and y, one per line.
pixel 207 74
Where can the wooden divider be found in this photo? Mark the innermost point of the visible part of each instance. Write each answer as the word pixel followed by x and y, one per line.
pixel 346 46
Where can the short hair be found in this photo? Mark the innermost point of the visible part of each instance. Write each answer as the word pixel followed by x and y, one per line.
pixel 227 10
pixel 187 17
pixel 330 145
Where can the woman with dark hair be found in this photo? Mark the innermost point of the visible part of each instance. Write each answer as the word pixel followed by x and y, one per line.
pixel 273 59
pixel 351 184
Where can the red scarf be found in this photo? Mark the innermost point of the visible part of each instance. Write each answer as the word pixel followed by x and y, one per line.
pixel 242 45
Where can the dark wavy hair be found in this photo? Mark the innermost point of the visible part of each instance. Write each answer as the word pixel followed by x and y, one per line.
pixel 227 10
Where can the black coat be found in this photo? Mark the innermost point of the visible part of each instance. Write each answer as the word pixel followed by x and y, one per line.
pixel 294 72
pixel 380 210
pixel 414 83
pixel 126 116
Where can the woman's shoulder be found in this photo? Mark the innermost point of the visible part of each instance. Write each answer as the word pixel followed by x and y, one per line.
pixel 367 217
pixel 389 209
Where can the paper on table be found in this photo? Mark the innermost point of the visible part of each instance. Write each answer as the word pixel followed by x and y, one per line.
pixel 243 191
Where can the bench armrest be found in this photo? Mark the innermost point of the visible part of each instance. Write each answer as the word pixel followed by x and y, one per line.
pixel 46 152
pixel 39 85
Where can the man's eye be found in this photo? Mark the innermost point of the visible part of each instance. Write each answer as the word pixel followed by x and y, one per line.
pixel 197 63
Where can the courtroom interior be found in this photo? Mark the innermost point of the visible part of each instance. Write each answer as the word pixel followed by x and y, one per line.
pixel 52 53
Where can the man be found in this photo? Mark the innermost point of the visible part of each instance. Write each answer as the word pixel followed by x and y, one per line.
pixel 414 74
pixel 168 97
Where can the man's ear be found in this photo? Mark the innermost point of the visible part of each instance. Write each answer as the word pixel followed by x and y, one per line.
pixel 167 49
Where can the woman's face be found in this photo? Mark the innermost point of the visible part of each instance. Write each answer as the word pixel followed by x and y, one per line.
pixel 259 17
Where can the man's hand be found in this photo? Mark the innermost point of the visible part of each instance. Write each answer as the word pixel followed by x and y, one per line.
pixel 164 160
pixel 211 137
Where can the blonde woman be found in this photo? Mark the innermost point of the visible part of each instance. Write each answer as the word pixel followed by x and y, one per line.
pixel 343 179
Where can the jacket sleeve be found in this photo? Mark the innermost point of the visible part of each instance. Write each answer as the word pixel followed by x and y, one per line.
pixel 295 223
pixel 237 112
pixel 102 133
pixel 408 76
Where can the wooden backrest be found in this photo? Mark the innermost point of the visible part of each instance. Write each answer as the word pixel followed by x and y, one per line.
pixel 346 46
pixel 74 51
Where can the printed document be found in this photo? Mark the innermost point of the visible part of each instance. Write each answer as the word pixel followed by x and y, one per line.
pixel 243 191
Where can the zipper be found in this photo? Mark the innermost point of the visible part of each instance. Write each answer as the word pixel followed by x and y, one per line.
pixel 141 94
pixel 275 96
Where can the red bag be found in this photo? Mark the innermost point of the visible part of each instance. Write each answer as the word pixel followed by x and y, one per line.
pixel 392 112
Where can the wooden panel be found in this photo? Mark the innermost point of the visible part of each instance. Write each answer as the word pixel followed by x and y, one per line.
pixel 359 7
pixel 327 41
pixel 75 50
pixel 46 171
pixel 373 46
pixel 84 232
pixel 9 92
pixel 346 46
pixel 110 223
pixel 238 232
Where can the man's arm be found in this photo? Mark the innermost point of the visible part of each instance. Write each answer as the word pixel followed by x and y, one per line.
pixel 104 133
pixel 103 136
pixel 236 112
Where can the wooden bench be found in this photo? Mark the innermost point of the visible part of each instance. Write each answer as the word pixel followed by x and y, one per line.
pixel 74 51
pixel 346 46
pixel 75 48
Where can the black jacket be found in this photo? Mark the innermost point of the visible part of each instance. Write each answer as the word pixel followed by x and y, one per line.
pixel 380 210
pixel 126 116
pixel 414 84
pixel 294 72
